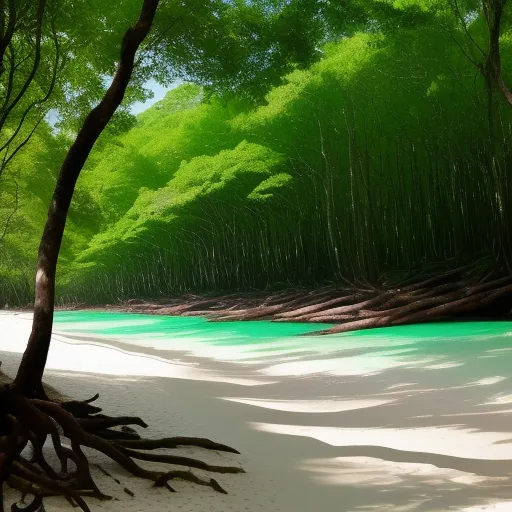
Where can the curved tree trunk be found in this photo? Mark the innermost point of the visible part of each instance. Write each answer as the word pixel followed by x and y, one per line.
pixel 25 418
pixel 30 372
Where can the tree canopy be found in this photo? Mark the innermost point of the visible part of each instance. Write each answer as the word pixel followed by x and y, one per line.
pixel 356 149
pixel 331 156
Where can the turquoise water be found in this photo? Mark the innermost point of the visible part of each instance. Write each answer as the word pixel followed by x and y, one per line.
pixel 222 333
pixel 444 330
pixel 422 337
pixel 458 353
pixel 119 324
pixel 443 389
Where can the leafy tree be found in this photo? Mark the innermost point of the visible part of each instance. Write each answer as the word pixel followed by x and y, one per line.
pixel 27 414
pixel 373 155
pixel 55 68
pixel 491 68
pixel 343 142
pixel 29 62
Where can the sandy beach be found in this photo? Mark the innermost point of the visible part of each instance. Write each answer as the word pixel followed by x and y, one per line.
pixel 341 423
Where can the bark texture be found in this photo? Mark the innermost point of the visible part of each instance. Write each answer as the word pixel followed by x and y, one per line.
pixel 491 68
pixel 454 295
pixel 31 369
pixel 30 414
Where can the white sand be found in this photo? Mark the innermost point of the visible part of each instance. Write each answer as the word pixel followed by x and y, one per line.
pixel 341 424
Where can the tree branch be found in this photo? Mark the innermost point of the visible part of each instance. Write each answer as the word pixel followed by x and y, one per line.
pixel 32 366
pixel 35 65
pixel 5 37
pixel 13 212
pixel 456 8
pixel 491 68
pixel 35 103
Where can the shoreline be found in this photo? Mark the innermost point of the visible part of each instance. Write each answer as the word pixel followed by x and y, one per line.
pixel 437 299
pixel 451 296
pixel 361 422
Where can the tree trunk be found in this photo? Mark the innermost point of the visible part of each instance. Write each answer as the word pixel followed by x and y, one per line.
pixel 7 27
pixel 491 68
pixel 30 373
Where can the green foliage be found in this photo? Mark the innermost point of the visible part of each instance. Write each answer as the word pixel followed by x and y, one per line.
pixel 372 156
pixel 268 188
pixel 175 129
pixel 202 198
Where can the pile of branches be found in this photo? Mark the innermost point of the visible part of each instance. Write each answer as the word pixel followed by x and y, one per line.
pixel 447 296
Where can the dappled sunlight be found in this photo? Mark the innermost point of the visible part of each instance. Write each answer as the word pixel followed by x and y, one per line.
pixel 500 400
pixel 403 419
pixel 92 358
pixel 243 353
pixel 467 414
pixel 490 506
pixel 402 385
pixel 393 486
pixel 274 349
pixel 301 251
pixel 310 406
pixel 175 346
pixel 248 343
pixel 500 350
pixel 489 381
pixel 366 471
pixel 442 366
pixel 452 441
pixel 104 359
pixel 356 365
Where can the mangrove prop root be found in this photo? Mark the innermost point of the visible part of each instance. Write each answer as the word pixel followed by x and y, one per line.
pixel 449 296
pixel 425 296
pixel 33 421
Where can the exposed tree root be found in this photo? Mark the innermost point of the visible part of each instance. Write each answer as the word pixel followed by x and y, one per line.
pixel 468 291
pixel 30 422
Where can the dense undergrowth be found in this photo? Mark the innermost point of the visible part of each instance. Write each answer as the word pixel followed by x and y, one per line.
pixel 373 163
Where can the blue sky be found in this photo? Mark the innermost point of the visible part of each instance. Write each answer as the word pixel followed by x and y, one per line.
pixel 159 91
pixel 138 107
